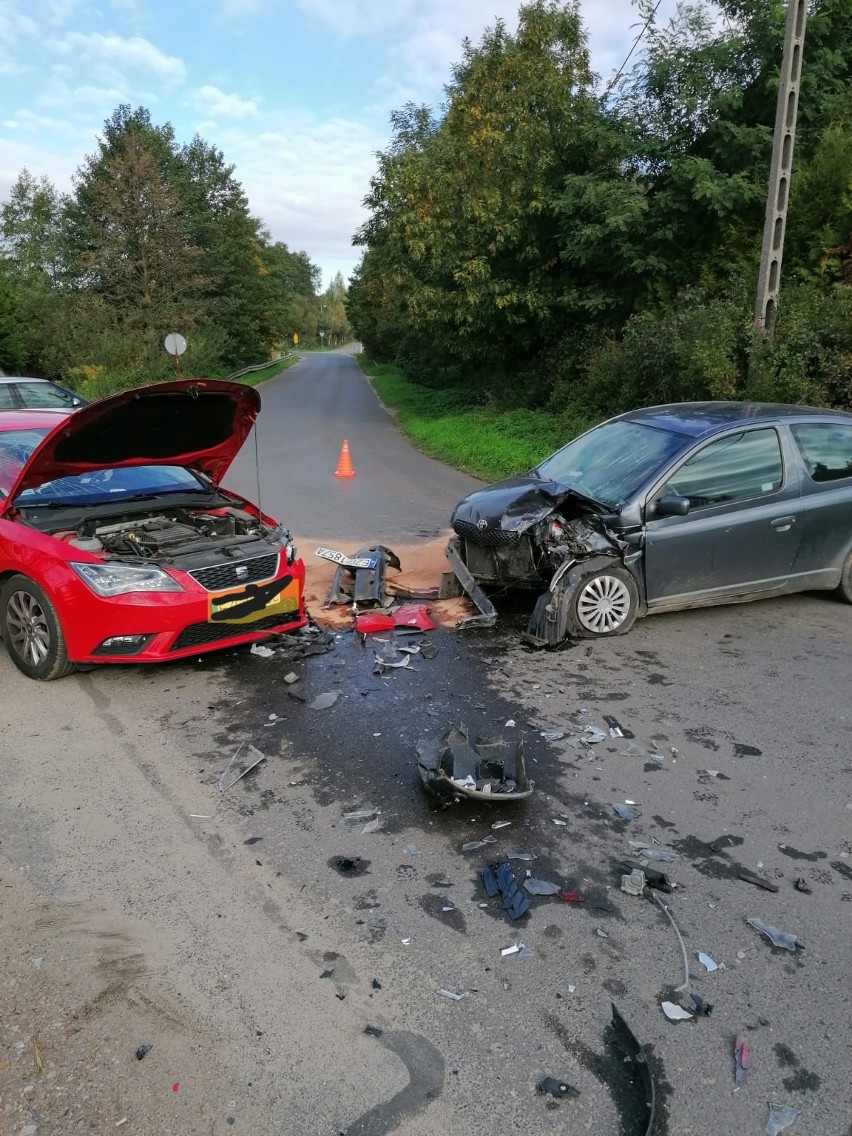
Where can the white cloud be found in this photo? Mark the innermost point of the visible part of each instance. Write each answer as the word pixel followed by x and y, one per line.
pixel 121 52
pixel 221 105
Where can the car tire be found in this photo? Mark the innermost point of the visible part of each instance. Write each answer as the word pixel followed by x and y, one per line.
pixel 602 601
pixel 844 589
pixel 31 631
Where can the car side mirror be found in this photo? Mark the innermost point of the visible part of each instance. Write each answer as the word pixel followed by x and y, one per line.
pixel 671 505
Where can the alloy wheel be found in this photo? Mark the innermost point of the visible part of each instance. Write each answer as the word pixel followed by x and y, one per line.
pixel 603 604
pixel 29 631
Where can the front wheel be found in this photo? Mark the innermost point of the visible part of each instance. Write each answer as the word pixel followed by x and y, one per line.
pixel 602 602
pixel 31 631
pixel 844 589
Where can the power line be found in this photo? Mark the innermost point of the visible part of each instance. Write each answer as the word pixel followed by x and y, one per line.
pixel 636 42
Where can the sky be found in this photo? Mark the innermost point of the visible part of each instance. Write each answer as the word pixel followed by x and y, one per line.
pixel 296 93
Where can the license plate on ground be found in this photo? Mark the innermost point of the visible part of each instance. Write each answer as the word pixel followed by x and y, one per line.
pixel 347 561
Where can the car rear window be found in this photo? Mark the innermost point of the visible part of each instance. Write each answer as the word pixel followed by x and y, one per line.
pixel 826 449
pixel 613 461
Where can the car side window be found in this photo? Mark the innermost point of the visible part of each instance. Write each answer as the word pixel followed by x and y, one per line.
pixel 826 449
pixel 7 398
pixel 734 468
pixel 44 395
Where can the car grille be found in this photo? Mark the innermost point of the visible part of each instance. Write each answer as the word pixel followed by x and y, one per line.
pixel 489 538
pixel 198 633
pixel 222 576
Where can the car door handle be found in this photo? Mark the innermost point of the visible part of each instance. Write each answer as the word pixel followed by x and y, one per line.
pixel 783 524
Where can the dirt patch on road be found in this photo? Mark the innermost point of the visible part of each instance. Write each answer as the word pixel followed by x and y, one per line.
pixel 77 999
pixel 422 567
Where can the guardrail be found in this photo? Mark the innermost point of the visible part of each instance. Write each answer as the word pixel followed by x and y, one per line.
pixel 261 366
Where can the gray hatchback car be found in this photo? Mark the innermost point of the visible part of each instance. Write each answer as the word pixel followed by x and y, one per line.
pixel 665 508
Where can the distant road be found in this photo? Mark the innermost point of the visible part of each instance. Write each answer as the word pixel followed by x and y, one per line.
pixel 397 493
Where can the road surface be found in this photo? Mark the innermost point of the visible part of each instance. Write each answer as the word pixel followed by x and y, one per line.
pixel 138 904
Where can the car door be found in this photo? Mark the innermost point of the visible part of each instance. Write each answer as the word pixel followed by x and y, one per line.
pixel 825 451
pixel 742 531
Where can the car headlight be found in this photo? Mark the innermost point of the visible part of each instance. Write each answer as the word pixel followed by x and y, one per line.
pixel 118 579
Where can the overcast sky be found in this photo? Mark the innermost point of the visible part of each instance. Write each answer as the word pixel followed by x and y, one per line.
pixel 295 92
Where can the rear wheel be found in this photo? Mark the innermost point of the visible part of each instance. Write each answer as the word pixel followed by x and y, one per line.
pixel 602 602
pixel 845 588
pixel 31 631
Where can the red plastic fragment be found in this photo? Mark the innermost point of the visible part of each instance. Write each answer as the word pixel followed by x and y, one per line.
pixel 175 1086
pixel 572 897
pixel 740 1059
pixel 372 621
pixel 413 615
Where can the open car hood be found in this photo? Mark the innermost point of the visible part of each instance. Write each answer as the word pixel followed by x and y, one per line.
pixel 197 423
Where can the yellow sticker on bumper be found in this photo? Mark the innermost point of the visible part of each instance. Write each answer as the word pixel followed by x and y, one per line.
pixel 253 602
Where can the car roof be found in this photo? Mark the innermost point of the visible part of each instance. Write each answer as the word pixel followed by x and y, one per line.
pixel 45 419
pixel 696 419
pixel 22 379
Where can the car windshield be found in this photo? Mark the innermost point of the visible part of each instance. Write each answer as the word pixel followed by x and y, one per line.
pixel 94 488
pixel 38 395
pixel 613 461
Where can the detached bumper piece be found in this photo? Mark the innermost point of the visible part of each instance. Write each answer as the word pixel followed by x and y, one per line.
pixel 364 586
pixel 487 612
pixel 489 770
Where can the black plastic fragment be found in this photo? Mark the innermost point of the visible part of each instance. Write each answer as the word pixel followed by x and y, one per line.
pixel 376 984
pixel 699 1006
pixel 803 886
pixel 757 881
pixel 253 840
pixel 373 1031
pixel 142 1050
pixel 653 878
pixel 627 1041
pixel 614 724
pixel 499 878
pixel 556 1088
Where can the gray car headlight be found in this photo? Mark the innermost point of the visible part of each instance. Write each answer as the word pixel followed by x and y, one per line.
pixel 118 579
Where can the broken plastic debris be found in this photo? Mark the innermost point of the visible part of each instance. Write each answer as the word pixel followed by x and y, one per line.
pixel 513 950
pixel 653 878
pixel 758 881
pixel 501 824
pixel 651 852
pixel 553 735
pixel 382 664
pixel 541 887
pixel 142 1050
pixel 372 621
pixel 412 850
pixel 472 845
pixel 510 723
pixel 358 817
pixel 616 730
pixel 413 615
pixel 557 1088
pixel 291 678
pixel 372 825
pixel 601 934
pixel 572 897
pixel 253 840
pixel 255 754
pixel 675 1013
pixel 591 735
pixel 373 1031
pixel 623 1034
pixel 500 878
pixel 634 750
pixel 780 1118
pixel 699 1006
pixel 625 812
pixel 452 995
pixel 740 1059
pixel 528 856
pixel 560 821
pixel 263 652
pixel 708 963
pixel 776 937
pixel 452 766
pixel 324 701
pixel 634 884
pixel 802 885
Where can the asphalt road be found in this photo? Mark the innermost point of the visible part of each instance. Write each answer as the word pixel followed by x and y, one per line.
pixel 397 493
pixel 109 798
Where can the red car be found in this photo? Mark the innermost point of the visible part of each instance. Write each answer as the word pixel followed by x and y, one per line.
pixel 117 543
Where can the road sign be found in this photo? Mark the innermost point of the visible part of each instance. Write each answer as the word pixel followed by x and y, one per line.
pixel 295 337
pixel 175 343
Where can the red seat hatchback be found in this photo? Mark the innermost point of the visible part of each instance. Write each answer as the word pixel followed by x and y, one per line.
pixel 117 542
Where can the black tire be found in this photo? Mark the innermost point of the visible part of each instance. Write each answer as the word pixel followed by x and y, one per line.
pixel 601 601
pixel 844 589
pixel 31 631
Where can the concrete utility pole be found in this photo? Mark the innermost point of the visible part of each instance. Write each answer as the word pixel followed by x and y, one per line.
pixel 769 280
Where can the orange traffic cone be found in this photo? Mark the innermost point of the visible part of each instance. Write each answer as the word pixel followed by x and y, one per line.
pixel 344 466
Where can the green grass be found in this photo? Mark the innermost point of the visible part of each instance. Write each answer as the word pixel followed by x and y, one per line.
pixel 487 442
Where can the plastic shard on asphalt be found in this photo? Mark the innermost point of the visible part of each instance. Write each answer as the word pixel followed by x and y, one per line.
pixel 556 1088
pixel 781 1117
pixel 500 879
pixel 490 770
pixel 626 1039
pixel 777 938
pixel 740 1059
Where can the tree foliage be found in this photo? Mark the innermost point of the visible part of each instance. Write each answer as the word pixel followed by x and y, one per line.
pixel 544 240
pixel 155 237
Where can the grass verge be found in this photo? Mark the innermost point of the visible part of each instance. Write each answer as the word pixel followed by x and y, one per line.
pixel 487 442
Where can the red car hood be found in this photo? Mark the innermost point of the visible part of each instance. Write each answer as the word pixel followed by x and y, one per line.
pixel 197 423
